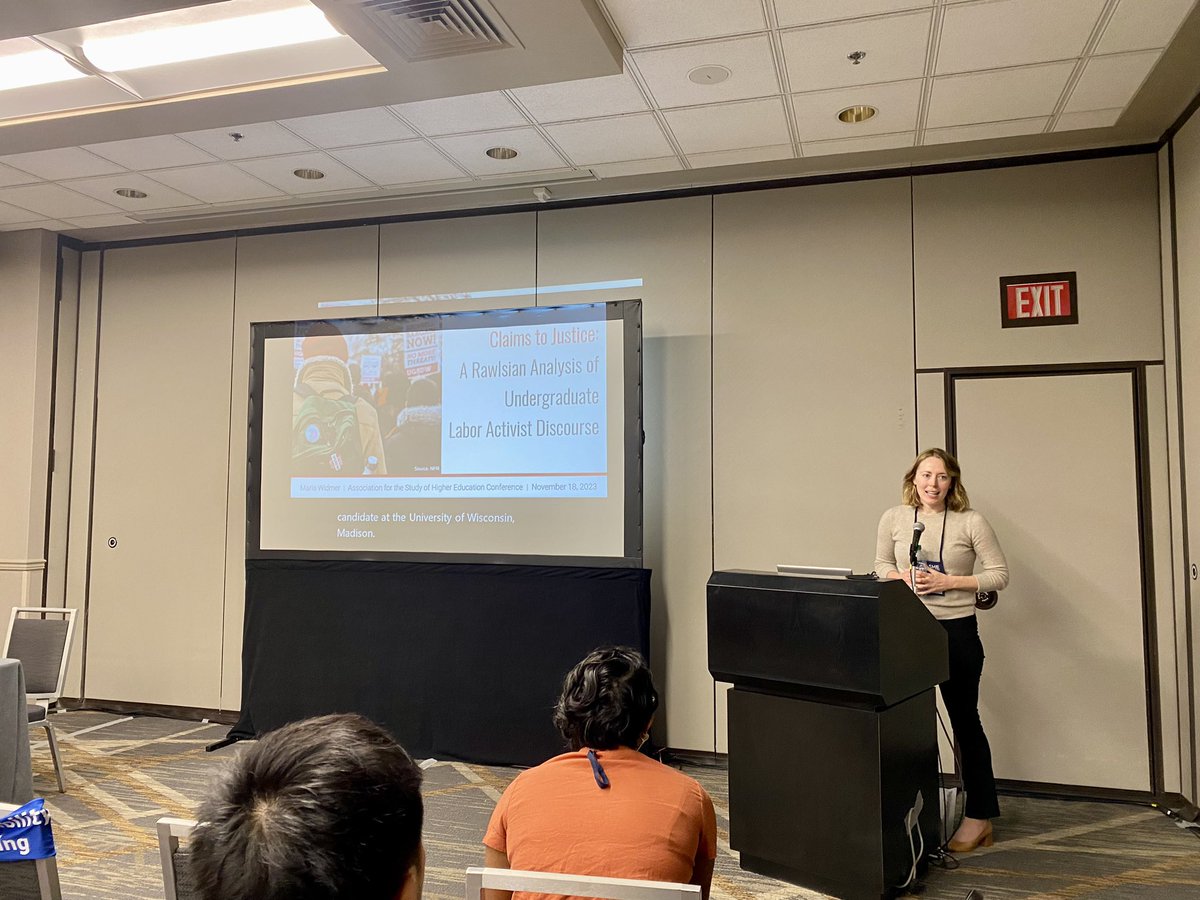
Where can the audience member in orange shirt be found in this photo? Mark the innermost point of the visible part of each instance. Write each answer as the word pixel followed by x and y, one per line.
pixel 604 808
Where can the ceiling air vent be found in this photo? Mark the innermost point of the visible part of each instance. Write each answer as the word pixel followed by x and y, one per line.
pixel 424 29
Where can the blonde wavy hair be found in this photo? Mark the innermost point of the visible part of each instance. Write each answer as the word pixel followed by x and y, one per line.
pixel 957 500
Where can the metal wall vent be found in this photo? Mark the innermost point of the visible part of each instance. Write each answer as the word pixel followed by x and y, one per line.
pixel 430 29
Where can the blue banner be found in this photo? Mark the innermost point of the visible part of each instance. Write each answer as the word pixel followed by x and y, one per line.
pixel 25 833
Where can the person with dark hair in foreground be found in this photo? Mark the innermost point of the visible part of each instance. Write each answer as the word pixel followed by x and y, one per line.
pixel 604 808
pixel 325 809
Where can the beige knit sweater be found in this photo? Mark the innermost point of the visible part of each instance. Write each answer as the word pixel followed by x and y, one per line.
pixel 969 539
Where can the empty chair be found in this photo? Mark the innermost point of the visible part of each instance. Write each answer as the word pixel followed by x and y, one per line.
pixel 178 883
pixel 40 637
pixel 36 879
pixel 575 885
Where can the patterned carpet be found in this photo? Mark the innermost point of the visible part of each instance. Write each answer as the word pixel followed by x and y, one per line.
pixel 123 773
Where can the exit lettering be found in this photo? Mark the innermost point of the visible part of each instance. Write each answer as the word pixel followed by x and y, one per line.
pixel 1038 300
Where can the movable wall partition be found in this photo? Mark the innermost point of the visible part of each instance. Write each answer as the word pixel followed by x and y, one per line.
pixel 797 343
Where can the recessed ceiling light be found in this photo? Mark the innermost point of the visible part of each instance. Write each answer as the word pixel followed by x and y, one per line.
pixel 709 74
pixel 138 44
pixel 501 152
pixel 852 115
pixel 309 174
pixel 35 67
pixel 131 193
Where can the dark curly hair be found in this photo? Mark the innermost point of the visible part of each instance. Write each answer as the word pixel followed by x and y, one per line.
pixel 324 809
pixel 607 700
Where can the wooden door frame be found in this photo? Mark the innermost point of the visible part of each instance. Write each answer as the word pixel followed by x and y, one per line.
pixel 1150 660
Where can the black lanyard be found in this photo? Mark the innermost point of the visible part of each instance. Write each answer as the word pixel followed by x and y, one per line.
pixel 942 543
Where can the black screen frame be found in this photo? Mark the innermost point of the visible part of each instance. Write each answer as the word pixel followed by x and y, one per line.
pixel 629 312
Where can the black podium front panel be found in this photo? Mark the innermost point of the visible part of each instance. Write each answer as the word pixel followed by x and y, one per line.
pixel 818 793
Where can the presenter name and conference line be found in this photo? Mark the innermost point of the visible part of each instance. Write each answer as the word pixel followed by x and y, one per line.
pixel 483 486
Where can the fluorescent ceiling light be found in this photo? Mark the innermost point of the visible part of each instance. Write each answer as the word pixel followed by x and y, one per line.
pixel 20 70
pixel 203 40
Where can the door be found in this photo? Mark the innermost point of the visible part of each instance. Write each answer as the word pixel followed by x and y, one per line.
pixel 1052 461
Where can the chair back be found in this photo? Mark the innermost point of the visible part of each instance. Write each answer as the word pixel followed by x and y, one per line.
pixel 40 637
pixel 36 879
pixel 575 885
pixel 178 882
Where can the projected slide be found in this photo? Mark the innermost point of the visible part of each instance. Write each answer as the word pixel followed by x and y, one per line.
pixel 500 434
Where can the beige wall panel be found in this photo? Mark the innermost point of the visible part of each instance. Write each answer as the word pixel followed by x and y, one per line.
pixel 27 287
pixel 162 469
pixel 1063 695
pixel 82 432
pixel 1170 544
pixel 442 265
pixel 667 245
pixel 1185 148
pixel 1098 218
pixel 1167 613
pixel 813 417
pixel 281 277
pixel 931 411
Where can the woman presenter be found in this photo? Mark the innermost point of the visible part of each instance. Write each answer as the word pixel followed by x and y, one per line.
pixel 956 541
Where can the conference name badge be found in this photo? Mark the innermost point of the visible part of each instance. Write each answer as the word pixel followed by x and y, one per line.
pixel 25 833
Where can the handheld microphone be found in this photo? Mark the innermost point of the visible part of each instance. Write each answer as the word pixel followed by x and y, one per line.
pixel 915 546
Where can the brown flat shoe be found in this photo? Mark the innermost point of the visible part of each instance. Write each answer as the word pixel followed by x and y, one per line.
pixel 985 839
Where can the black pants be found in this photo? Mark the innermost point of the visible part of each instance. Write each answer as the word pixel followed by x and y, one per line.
pixel 960 693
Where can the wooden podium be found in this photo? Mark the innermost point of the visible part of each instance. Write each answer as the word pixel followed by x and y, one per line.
pixel 832 726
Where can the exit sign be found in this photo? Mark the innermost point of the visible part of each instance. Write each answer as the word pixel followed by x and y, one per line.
pixel 1047 299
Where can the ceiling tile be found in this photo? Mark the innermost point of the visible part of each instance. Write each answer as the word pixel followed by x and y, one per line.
pixel 996 35
pixel 637 167
pixel 220 183
pixel 277 172
pixel 533 153
pixel 65 162
pixel 51 201
pixel 611 95
pixel 262 139
pixel 730 126
pixel 1138 25
pixel 1093 118
pixel 160 152
pixel 9 175
pixel 896 48
pixel 1111 81
pixel 812 12
pixel 644 24
pixel 994 96
pixel 741 157
pixel 859 144
pixel 12 215
pixel 158 196
pixel 349 129
pixel 618 139
pixel 897 104
pixel 749 59
pixel 458 115
pixel 984 131
pixel 401 163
